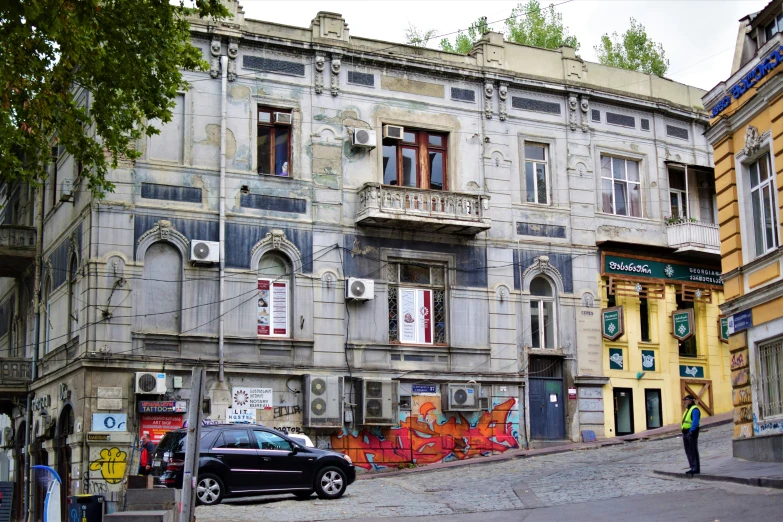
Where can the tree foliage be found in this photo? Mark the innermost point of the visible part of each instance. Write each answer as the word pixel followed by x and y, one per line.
pixel 128 54
pixel 633 50
pixel 529 24
pixel 417 37
pixel 464 41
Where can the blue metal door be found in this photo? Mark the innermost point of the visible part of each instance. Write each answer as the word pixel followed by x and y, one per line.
pixel 547 408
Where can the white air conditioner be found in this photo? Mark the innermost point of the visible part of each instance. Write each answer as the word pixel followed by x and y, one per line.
pixel 283 118
pixel 363 138
pixel 359 289
pixel 394 132
pixel 323 401
pixel 377 399
pixel 204 251
pixel 8 437
pixel 43 425
pixel 463 397
pixel 150 383
pixel 66 190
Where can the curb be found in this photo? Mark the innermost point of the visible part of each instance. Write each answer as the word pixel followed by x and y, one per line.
pixel 759 482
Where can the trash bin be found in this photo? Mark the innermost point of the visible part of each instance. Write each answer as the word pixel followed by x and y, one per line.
pixel 85 508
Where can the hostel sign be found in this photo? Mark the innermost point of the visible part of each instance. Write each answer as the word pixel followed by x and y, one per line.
pixel 612 325
pixel 682 324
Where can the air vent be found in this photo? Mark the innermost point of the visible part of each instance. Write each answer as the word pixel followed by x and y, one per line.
pixel 283 118
pixel 394 132
pixel 377 400
pixel 323 401
pixel 318 387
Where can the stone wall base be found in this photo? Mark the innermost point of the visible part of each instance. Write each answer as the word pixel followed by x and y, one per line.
pixel 759 449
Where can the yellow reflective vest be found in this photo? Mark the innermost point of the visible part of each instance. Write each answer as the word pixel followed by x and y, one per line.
pixel 687 418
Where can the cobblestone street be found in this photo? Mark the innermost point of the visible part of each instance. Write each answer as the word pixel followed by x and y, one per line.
pixel 518 485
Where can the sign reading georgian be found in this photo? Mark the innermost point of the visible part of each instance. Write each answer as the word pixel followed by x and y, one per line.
pixel 612 325
pixel 668 271
pixel 682 324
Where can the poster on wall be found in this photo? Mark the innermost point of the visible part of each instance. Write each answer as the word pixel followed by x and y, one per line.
pixel 415 308
pixel 264 307
pixel 158 425
pixel 251 398
pixel 272 312
pixel 240 416
pixel 109 422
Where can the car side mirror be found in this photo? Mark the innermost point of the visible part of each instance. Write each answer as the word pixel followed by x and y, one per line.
pixel 294 448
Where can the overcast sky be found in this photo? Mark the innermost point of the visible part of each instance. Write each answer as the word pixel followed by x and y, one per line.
pixel 698 35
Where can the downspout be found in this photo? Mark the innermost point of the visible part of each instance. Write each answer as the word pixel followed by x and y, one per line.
pixel 222 237
pixel 34 370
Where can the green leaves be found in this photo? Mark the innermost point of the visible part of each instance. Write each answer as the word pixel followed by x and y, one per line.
pixel 531 25
pixel 463 43
pixel 633 51
pixel 88 74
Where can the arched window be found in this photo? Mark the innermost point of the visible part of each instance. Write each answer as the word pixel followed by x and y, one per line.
pixel 73 300
pixel 274 290
pixel 542 313
pixel 162 289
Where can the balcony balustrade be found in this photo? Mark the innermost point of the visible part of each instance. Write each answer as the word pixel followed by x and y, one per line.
pixel 694 236
pixel 17 249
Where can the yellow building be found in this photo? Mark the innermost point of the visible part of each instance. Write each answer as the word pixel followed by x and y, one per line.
pixel 649 296
pixel 746 132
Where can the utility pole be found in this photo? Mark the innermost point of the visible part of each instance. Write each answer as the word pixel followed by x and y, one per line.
pixel 190 473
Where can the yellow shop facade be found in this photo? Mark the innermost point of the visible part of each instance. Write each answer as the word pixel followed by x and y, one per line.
pixel 661 336
pixel 746 132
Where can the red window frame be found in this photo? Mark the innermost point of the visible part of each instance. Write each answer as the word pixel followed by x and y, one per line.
pixel 422 147
pixel 272 125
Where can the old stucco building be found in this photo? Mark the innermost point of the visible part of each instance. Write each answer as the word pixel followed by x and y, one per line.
pixel 466 202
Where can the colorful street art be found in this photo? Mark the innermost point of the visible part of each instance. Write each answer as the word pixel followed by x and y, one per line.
pixel 426 435
pixel 111 464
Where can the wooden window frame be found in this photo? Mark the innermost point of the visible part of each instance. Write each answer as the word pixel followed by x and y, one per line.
pixel 271 111
pixel 422 147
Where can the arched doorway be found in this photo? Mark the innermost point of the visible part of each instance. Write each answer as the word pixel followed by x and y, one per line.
pixel 65 426
pixel 40 458
pixel 20 443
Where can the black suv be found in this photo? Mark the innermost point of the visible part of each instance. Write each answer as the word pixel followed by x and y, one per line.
pixel 242 460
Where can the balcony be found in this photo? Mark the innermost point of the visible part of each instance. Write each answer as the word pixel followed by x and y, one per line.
pixel 426 210
pixel 17 249
pixel 694 236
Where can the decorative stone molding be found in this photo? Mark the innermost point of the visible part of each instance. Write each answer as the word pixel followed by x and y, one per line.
pixel 276 240
pixel 163 230
pixel 542 266
pixel 489 90
pixel 502 95
pixel 572 103
pixel 335 66
pixel 214 64
pixel 233 52
pixel 330 26
pixel 588 299
pixel 752 140
pixel 584 104
pixel 320 65
pixel 502 293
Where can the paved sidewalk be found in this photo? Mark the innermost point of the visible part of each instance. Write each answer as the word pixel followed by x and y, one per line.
pixel 730 469
pixel 672 430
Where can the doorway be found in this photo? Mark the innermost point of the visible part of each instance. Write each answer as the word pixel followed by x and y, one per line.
pixel 653 407
pixel 623 411
pixel 547 408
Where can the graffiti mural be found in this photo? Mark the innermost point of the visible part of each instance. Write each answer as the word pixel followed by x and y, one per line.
pixel 766 428
pixel 111 464
pixel 426 435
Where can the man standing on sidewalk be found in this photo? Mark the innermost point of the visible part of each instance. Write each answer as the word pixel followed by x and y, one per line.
pixel 690 434
pixel 147 451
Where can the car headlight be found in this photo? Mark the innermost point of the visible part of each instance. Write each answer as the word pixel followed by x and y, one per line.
pixel 346 457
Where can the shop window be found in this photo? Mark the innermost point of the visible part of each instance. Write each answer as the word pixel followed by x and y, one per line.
pixel 678 194
pixel 771 373
pixel 273 142
pixel 418 160
pixel 274 308
pixel 763 208
pixel 542 314
pixel 644 319
pixel 620 186
pixel 536 173
pixel 417 303
pixel 688 347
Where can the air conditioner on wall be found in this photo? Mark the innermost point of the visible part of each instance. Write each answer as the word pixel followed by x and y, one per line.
pixel 283 118
pixel 204 251
pixel 359 289
pixel 463 397
pixel 363 138
pixel 394 132
pixel 8 437
pixel 323 401
pixel 150 383
pixel 377 399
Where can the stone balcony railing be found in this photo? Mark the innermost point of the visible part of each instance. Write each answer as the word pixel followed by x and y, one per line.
pixel 17 249
pixel 14 370
pixel 694 236
pixel 427 210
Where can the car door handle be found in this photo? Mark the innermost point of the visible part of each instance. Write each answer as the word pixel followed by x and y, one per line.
pixel 266 459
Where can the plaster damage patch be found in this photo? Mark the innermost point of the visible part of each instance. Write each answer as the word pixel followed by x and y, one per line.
pixel 213 139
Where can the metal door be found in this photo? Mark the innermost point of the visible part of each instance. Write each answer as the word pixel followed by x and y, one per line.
pixel 547 408
pixel 623 411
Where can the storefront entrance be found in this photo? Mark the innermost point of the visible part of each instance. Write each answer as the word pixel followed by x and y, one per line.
pixel 623 411
pixel 547 408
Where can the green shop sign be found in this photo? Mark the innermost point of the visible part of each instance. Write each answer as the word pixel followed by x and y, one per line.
pixel 682 324
pixel 670 272
pixel 723 329
pixel 612 324
pixel 648 360
pixel 694 372
pixel 615 358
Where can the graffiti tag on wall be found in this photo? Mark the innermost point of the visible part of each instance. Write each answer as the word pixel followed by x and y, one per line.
pixel 766 428
pixel 744 414
pixel 739 359
pixel 741 396
pixel 740 377
pixel 111 464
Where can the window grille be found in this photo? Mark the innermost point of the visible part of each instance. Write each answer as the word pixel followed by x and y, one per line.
pixel 771 370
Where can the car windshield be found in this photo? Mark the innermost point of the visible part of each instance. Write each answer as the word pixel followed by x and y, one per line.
pixel 173 441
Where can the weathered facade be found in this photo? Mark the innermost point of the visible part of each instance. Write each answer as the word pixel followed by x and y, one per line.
pixel 746 128
pixel 463 192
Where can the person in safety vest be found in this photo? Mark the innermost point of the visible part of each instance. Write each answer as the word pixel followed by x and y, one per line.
pixel 690 434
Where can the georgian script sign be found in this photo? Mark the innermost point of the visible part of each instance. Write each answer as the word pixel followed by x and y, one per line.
pixel 660 269
pixel 770 62
pixel 682 324
pixel 612 324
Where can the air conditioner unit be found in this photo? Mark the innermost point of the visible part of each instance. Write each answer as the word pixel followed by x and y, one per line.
pixel 151 383
pixel 363 138
pixel 359 289
pixel 204 251
pixel 66 190
pixel 394 132
pixel 283 118
pixel 43 425
pixel 463 397
pixel 8 437
pixel 377 399
pixel 323 401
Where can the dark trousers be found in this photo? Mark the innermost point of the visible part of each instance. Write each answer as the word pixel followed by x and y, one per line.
pixel 691 443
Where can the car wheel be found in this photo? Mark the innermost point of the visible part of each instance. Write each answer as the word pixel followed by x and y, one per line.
pixel 330 483
pixel 303 494
pixel 209 490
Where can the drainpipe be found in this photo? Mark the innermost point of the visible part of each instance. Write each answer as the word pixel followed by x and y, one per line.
pixel 222 238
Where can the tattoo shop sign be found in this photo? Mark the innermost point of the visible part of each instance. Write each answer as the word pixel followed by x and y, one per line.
pixel 251 398
pixel 612 324
pixel 682 324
